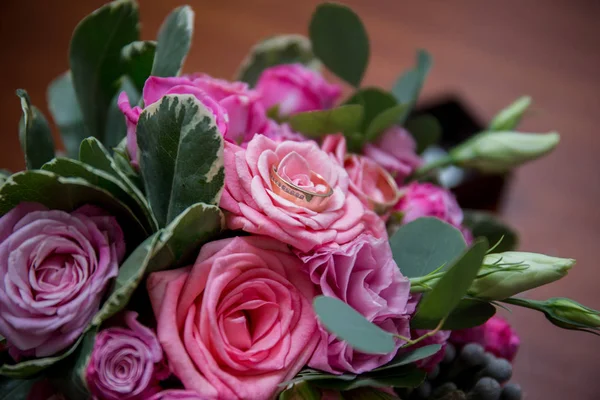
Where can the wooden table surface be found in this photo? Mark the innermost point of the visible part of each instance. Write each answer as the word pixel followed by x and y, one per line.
pixel 489 52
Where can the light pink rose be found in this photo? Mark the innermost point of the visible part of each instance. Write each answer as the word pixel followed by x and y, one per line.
pixel 496 336
pixel 126 362
pixel 395 151
pixel 295 88
pixel 254 207
pixel 54 270
pixel 363 274
pixel 176 394
pixel 440 337
pixel 239 322
pixel 282 132
pixel 237 110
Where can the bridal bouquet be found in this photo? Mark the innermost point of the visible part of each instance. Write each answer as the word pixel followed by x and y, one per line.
pixel 259 238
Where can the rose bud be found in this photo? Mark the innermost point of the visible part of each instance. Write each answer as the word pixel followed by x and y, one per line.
pixel 506 274
pixel 508 118
pixel 497 152
pixel 496 336
pixel 126 362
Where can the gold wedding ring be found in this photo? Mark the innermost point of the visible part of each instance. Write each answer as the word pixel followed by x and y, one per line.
pixel 305 198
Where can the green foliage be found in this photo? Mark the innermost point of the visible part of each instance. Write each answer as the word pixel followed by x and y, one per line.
pixel 409 357
pixel 181 156
pixel 174 41
pixel 116 128
pixel 425 245
pixel 340 41
pixel 138 58
pixel 34 134
pixel 276 50
pixel 508 118
pixel 300 391
pixel 15 389
pixel 426 130
pixel 484 224
pixel 316 124
pixel 408 87
pixel 467 314
pixel 406 376
pixel 384 120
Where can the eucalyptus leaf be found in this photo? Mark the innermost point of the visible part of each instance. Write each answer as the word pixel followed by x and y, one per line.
pixel 340 41
pixel 174 41
pixel 276 50
pixel 34 134
pixel 314 124
pixel 15 389
pixel 138 58
pixel 349 325
pixel 467 314
pixel 484 224
pixel 426 130
pixel 408 87
pixel 453 285
pixel 95 58
pixel 374 102
pixel 63 105
pixel 410 357
pixel 424 245
pixel 181 156
pixel 384 120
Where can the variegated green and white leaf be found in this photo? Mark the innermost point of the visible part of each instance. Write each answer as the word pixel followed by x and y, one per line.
pixel 181 156
pixel 34 134
pixel 174 41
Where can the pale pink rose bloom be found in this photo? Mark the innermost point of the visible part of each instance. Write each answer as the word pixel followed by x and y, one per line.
pixel 496 336
pixel 363 274
pixel 239 322
pixel 254 207
pixel 395 151
pixel 295 88
pixel 55 268
pixel 126 362
pixel 176 394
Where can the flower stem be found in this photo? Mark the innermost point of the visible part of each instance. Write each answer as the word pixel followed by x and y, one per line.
pixel 410 342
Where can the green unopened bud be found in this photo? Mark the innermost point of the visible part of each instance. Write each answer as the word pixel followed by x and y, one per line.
pixel 508 118
pixel 497 152
pixel 571 312
pixel 506 274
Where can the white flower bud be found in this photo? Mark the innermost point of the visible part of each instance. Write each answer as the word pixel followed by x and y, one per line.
pixel 508 118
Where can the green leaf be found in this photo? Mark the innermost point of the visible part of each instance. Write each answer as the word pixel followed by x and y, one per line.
pixel 315 124
pixel 4 174
pixel 374 102
pixel 408 378
pixel 367 393
pixel 181 155
pixel 57 192
pixel 174 41
pixel 182 238
pixel 426 130
pixel 95 58
pixel 116 128
pixel 63 105
pixel 276 50
pixel 138 58
pixel 424 245
pixel 75 169
pixel 408 87
pixel 34 134
pixel 508 118
pixel 484 224
pixel 468 314
pixel 15 389
pixel 300 391
pixel 349 325
pixel 340 41
pixel 384 120
pixel 411 357
pixel 450 289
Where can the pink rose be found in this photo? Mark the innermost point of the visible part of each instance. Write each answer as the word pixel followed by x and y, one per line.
pixel 126 362
pixel 395 151
pixel 238 113
pixel 363 274
pixel 254 206
pixel 239 322
pixel 54 270
pixel 372 184
pixel 496 336
pixel 176 394
pixel 440 337
pixel 295 88
pixel 282 132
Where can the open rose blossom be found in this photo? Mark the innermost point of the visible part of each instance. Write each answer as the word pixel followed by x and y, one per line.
pixel 253 205
pixel 496 336
pixel 395 150
pixel 363 274
pixel 295 88
pixel 239 322
pixel 238 113
pixel 126 362
pixel 54 270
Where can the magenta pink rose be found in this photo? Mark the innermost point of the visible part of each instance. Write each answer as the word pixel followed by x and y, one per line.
pixel 239 322
pixel 255 207
pixel 440 337
pixel 295 88
pixel 55 268
pixel 176 394
pixel 126 362
pixel 395 151
pixel 363 274
pixel 496 336
pixel 237 110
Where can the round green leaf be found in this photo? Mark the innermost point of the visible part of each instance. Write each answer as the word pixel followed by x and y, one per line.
pixel 374 101
pixel 408 87
pixel 174 41
pixel 340 41
pixel 138 58
pixel 316 124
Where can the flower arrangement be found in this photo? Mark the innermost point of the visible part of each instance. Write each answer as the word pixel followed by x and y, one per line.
pixel 257 238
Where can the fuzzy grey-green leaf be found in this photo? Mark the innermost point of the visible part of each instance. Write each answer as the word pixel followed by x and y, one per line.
pixel 174 41
pixel 181 156
pixel 34 134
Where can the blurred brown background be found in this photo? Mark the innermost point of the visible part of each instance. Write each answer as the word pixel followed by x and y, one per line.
pixel 489 52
